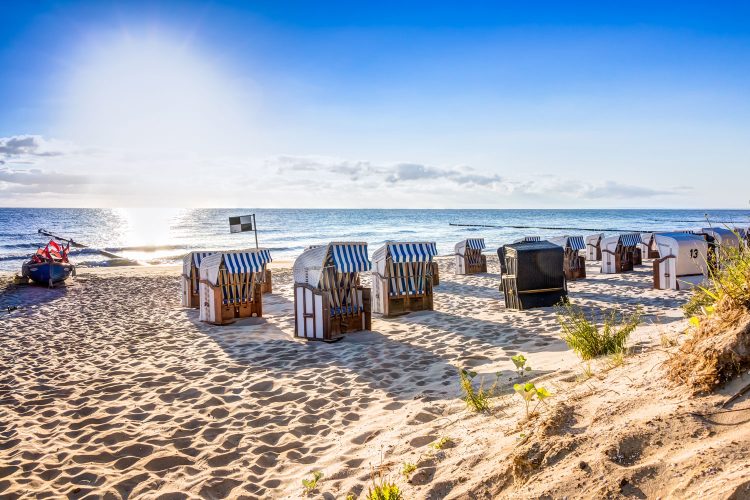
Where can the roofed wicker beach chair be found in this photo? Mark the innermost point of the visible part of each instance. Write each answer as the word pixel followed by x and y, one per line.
pixel 328 298
pixel 720 241
pixel 682 261
pixel 189 279
pixel 593 247
pixel 534 275
pixel 648 245
pixel 574 264
pixel 230 285
pixel 469 258
pixel 620 252
pixel 402 278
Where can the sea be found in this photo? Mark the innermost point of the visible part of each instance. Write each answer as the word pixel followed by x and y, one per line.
pixel 154 236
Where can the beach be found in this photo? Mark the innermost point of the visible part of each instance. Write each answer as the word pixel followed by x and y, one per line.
pixel 110 388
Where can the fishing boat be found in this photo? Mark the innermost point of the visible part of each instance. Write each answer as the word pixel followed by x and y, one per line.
pixel 49 265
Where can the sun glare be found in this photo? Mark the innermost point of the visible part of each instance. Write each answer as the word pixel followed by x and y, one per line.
pixel 145 232
pixel 153 92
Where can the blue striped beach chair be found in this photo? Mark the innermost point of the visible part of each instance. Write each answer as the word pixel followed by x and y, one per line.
pixel 620 253
pixel 469 258
pixel 574 264
pixel 230 285
pixel 328 297
pixel 402 279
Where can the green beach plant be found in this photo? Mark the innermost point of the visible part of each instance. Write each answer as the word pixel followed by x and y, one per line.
pixel 408 468
pixel 529 392
pixel 441 443
pixel 385 490
pixel 589 339
pixel 477 399
pixel 521 363
pixel 310 485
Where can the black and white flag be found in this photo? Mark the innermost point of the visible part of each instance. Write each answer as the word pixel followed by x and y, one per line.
pixel 242 223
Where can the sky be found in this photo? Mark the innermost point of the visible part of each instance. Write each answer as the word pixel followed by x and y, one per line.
pixel 377 104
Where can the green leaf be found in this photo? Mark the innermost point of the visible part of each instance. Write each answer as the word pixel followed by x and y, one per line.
pixel 542 393
pixel 519 360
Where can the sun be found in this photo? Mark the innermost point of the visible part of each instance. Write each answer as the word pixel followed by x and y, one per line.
pixel 153 91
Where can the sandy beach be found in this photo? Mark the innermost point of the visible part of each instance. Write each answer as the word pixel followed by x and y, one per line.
pixel 109 388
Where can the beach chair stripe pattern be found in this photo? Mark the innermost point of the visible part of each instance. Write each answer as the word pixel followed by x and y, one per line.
pixel 412 252
pixel 237 272
pixel 408 267
pixel 199 256
pixel 475 243
pixel 529 239
pixel 350 257
pixel 576 243
pixel 630 239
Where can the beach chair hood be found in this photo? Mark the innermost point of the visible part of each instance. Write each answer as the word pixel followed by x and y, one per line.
pixel 471 244
pixel 248 261
pixel 193 259
pixel 400 252
pixel 574 243
pixel 346 257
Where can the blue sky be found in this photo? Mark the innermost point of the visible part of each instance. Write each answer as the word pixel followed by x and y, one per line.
pixel 394 104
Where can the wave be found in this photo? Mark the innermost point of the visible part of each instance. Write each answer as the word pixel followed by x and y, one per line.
pixel 144 248
pixel 6 258
pixel 107 263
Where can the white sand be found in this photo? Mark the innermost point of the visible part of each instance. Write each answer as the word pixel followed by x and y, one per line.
pixel 108 387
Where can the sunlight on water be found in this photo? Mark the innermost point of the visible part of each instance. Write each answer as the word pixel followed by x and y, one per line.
pixel 145 233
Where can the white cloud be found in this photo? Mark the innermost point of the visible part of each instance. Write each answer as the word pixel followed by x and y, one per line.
pixel 36 167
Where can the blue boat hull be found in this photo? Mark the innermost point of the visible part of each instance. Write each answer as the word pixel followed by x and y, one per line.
pixel 47 273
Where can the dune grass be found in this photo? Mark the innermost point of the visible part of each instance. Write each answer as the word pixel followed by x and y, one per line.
pixel 590 338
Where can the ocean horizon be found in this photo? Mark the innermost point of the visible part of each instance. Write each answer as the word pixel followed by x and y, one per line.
pixel 152 236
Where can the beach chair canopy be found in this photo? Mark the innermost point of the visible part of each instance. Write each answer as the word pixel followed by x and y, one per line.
pixel 723 236
pixel 405 252
pixel 528 239
pixel 630 239
pixel 594 239
pixel 239 262
pixel 690 250
pixel 193 259
pixel 574 243
pixel 345 257
pixel 470 244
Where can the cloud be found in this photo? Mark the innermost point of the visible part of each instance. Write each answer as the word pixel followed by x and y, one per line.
pixel 39 181
pixel 612 189
pixel 26 146
pixel 404 172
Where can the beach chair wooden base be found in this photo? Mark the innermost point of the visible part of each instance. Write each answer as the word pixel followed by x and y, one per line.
pixel 266 285
pixel 653 254
pixel 476 268
pixel 466 266
pixel 189 295
pixel 575 267
pixel 219 313
pixel 397 306
pixel 623 262
pixel 528 299
pixel 313 319
pixel 637 257
pixel 435 271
